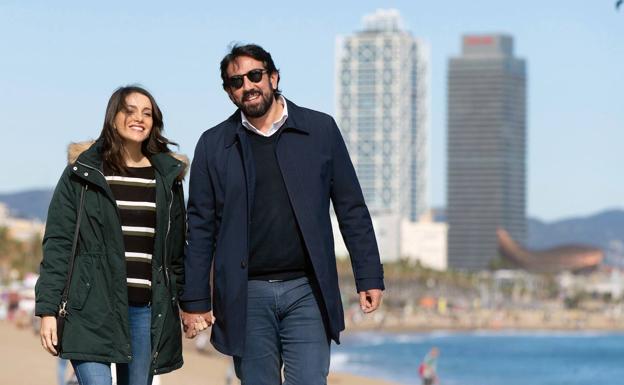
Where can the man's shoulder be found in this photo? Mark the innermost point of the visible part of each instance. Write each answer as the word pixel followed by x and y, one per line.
pixel 307 115
pixel 320 124
pixel 216 133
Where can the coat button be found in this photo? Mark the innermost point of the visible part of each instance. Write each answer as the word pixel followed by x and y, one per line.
pixel 243 264
pixel 129 357
pixel 159 315
pixel 86 174
pixel 75 168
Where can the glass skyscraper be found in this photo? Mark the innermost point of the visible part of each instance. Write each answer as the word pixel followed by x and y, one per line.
pixel 382 97
pixel 486 184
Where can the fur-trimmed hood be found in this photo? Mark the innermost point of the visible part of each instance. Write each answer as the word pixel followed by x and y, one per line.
pixel 74 150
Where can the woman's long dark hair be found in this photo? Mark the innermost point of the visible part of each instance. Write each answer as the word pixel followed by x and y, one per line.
pixel 113 144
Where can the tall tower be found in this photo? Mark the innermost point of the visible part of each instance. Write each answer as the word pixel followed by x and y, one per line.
pixel 382 109
pixel 486 149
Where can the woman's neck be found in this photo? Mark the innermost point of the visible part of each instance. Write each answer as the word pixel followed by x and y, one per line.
pixel 134 157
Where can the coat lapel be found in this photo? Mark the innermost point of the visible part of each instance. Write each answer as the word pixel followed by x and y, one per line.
pixel 248 165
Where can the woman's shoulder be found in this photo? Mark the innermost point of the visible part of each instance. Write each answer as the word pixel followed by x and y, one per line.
pixel 75 149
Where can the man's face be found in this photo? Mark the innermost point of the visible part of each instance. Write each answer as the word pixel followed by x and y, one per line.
pixel 254 99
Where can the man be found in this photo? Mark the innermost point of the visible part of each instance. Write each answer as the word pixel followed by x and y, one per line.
pixel 260 187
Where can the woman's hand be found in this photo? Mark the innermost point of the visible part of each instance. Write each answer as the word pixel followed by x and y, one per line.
pixel 48 334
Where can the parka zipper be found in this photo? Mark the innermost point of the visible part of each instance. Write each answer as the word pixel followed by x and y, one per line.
pixel 167 284
pixel 165 266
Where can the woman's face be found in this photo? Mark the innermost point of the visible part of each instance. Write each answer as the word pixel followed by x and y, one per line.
pixel 134 123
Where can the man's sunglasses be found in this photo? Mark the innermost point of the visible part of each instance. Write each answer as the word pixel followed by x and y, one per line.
pixel 254 76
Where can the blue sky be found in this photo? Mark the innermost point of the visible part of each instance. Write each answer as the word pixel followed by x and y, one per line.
pixel 60 61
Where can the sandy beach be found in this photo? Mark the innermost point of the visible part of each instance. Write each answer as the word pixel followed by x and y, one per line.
pixel 24 362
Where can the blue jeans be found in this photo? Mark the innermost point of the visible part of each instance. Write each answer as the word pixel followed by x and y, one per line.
pixel 137 372
pixel 61 369
pixel 284 327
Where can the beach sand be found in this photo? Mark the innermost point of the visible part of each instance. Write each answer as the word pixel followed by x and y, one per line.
pixel 24 362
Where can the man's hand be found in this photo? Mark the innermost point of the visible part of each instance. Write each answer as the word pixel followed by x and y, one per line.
pixel 47 332
pixel 370 300
pixel 193 323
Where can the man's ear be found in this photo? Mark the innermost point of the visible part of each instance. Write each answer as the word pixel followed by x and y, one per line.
pixel 274 80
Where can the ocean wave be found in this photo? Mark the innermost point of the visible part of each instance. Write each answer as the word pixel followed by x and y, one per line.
pixel 381 338
pixel 339 361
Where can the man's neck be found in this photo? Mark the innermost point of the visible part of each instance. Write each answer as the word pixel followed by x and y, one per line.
pixel 265 122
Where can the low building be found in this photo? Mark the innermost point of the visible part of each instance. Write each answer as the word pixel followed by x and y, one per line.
pixel 425 242
pixel 422 242
pixel 18 228
pixel 387 232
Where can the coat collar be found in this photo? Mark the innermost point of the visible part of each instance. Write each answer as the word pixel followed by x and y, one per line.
pixel 295 122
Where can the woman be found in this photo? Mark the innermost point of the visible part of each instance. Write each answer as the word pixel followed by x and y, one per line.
pixel 122 304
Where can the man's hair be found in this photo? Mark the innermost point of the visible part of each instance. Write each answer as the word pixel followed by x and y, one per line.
pixel 253 51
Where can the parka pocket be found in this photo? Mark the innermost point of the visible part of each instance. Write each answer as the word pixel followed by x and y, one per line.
pixel 82 280
pixel 174 290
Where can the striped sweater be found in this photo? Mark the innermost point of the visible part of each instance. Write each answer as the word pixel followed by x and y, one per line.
pixel 135 193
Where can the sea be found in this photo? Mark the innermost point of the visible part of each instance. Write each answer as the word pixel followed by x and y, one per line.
pixel 487 357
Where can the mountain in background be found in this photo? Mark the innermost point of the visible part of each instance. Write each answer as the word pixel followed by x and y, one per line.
pixel 600 230
pixel 604 230
pixel 31 204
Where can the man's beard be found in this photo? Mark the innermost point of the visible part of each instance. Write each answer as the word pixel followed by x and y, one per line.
pixel 259 109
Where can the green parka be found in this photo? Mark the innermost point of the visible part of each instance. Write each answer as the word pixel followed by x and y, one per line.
pixel 97 324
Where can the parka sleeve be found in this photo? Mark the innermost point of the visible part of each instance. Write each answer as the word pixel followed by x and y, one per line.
pixel 57 243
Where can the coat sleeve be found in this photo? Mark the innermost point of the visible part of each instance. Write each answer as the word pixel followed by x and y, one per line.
pixel 353 217
pixel 57 244
pixel 201 234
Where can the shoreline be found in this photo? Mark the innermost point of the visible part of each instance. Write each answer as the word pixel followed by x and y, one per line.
pixel 488 319
pixel 459 329
pixel 24 362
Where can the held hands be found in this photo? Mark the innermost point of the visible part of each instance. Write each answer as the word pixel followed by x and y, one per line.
pixel 47 332
pixel 370 300
pixel 194 323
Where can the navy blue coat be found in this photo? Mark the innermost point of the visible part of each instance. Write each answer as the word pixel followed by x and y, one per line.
pixel 316 167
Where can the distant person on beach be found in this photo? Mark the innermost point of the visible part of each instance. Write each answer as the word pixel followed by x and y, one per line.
pixel 259 202
pixel 428 369
pixel 122 304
